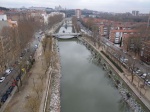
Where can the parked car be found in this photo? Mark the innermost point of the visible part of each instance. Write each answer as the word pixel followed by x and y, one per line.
pixel 143 75
pixel 138 71
pixel 9 90
pixel 123 60
pixel 4 98
pixel 147 82
pixel 2 79
pixel 17 78
pixel 9 70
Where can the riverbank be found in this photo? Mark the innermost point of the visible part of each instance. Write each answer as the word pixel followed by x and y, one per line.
pixel 55 80
pixel 127 78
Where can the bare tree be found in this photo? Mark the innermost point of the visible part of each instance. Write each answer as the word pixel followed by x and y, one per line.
pixel 132 63
pixel 54 19
pixel 77 27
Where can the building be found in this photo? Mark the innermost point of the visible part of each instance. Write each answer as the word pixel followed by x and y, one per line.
pixel 78 13
pixel 145 52
pixel 3 17
pixel 135 13
pixel 120 36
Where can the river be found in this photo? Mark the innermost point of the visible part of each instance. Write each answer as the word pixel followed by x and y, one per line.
pixel 85 86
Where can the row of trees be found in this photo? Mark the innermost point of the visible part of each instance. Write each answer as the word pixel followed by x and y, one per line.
pixel 52 20
pixel 17 37
pixel 134 42
pixel 126 17
pixel 93 30
pixel 75 24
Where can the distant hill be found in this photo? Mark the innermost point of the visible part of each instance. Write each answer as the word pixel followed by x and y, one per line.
pixel 5 9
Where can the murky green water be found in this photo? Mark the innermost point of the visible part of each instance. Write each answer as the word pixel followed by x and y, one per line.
pixel 85 87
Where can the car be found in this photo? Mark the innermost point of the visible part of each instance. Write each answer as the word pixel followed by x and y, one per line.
pixel 147 82
pixel 2 79
pixel 8 71
pixel 17 78
pixel 143 75
pixel 9 90
pixel 138 71
pixel 123 60
pixel 4 98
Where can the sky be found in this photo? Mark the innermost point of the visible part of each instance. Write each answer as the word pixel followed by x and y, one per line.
pixel 99 5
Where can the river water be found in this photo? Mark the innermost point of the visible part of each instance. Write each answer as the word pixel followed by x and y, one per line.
pixel 85 86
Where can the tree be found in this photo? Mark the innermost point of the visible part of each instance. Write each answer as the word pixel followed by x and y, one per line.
pixel 131 64
pixel 74 21
pixel 54 19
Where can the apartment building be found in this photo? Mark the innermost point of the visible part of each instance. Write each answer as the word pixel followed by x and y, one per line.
pixel 78 13
pixel 135 13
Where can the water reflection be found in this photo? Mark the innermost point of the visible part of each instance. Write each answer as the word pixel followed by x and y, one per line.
pixel 84 85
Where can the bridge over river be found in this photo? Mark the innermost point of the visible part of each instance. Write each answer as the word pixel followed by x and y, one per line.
pixel 66 35
pixel 65 31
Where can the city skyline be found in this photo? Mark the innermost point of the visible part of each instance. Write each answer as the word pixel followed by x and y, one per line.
pixel 106 6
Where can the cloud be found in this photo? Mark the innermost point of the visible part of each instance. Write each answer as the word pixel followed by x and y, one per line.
pixel 99 5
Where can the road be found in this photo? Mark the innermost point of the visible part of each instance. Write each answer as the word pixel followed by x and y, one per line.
pixel 16 70
pixel 142 67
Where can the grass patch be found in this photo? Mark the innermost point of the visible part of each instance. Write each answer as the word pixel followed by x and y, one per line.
pixel 117 66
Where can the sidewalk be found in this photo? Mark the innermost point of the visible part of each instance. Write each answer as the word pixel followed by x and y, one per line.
pixel 127 78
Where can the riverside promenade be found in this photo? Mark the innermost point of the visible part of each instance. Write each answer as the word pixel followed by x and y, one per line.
pixel 142 93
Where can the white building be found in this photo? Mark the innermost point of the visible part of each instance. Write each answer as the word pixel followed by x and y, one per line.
pixel 78 13
pixel 3 17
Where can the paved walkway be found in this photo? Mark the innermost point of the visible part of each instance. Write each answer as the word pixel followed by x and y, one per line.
pixel 142 94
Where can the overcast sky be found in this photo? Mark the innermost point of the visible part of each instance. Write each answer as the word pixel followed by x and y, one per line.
pixel 100 5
